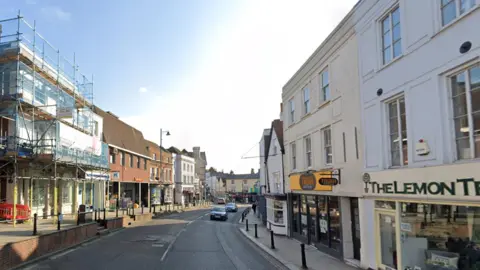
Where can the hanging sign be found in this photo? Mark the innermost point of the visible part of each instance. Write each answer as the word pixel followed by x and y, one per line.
pixel 328 181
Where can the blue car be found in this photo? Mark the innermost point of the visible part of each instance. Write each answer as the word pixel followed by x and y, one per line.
pixel 218 212
pixel 231 207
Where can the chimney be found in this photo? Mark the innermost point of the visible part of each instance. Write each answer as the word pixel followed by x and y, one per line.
pixel 196 151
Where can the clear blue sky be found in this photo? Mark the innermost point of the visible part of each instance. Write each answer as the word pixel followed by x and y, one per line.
pixel 210 71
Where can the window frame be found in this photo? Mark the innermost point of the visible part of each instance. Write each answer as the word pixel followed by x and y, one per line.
pixel 458 13
pixel 397 100
pixel 327 145
pixel 388 15
pixel 122 158
pixel 293 148
pixel 131 160
pixel 291 105
pixel 306 102
pixel 323 95
pixel 308 151
pixel 465 70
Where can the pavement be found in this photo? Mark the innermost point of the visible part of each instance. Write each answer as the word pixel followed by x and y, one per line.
pixel 287 250
pixel 185 240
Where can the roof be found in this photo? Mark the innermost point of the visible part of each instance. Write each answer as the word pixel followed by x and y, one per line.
pixel 229 176
pixel 118 133
pixel 154 145
pixel 174 150
pixel 277 126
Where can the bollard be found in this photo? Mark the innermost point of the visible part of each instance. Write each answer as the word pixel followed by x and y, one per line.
pixel 256 234
pixel 116 210
pixel 246 224
pixel 104 214
pixel 243 217
pixel 58 222
pixel 35 224
pixel 154 209
pixel 271 240
pixel 78 217
pixel 304 260
pixel 150 208
pixel 95 210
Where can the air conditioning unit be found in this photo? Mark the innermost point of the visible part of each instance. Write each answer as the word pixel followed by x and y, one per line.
pixel 115 151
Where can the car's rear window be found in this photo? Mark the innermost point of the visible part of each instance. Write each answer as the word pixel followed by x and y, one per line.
pixel 219 209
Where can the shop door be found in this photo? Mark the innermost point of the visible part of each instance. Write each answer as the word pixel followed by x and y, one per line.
pixel 355 227
pixel 387 240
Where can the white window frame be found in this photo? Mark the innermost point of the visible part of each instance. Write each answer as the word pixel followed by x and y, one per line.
pixel 327 145
pixel 291 104
pixel 458 13
pixel 468 96
pixel 306 102
pixel 293 148
pixel 325 87
pixel 308 152
pixel 399 130
pixel 388 15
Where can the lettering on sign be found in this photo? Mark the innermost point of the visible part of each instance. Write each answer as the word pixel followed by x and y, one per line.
pixel 328 181
pixel 460 187
pixel 308 181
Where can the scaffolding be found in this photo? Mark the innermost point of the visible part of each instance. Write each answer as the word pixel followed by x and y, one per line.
pixel 47 119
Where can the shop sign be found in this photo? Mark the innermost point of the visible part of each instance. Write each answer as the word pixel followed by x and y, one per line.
pixel 405 227
pixel 116 175
pixel 315 181
pixel 328 181
pixel 459 187
pixel 308 181
pixel 323 226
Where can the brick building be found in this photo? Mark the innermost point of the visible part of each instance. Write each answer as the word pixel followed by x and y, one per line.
pixel 160 174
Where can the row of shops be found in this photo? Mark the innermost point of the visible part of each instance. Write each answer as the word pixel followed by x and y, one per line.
pixel 425 218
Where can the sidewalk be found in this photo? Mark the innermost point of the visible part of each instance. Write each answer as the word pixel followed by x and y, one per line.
pixel 287 250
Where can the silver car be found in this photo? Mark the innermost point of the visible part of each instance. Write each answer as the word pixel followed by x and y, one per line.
pixel 218 212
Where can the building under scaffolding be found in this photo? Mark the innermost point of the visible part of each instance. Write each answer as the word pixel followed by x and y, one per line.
pixel 52 157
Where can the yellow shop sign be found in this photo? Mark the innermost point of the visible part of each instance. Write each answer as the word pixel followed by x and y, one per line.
pixel 310 181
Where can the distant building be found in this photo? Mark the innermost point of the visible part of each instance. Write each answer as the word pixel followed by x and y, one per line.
pixel 184 190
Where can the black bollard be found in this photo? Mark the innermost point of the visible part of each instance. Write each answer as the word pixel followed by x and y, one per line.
pixel 256 234
pixel 154 209
pixel 243 217
pixel 78 217
pixel 95 210
pixel 246 224
pixel 35 224
pixel 271 240
pixel 58 222
pixel 116 210
pixel 104 214
pixel 304 260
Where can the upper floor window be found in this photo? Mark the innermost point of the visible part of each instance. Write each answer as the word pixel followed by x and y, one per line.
pixel 391 36
pixel 232 181
pixel 397 125
pixel 306 100
pixel 131 160
pixel 325 83
pixel 138 162
pixel 274 150
pixel 466 112
pixel 308 151
pixel 145 164
pixel 122 158
pixel 95 128
pixel 327 145
pixel 294 156
pixel 154 156
pixel 184 167
pixel 291 104
pixel 113 156
pixel 452 9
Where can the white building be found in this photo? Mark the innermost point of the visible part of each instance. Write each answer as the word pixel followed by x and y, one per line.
pixel 322 137
pixel 184 167
pixel 276 200
pixel 420 92
pixel 262 155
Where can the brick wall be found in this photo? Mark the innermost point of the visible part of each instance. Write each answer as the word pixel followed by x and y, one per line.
pixel 127 173
pixel 13 254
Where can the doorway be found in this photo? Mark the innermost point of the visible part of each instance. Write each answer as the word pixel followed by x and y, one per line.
pixel 355 218
pixel 387 240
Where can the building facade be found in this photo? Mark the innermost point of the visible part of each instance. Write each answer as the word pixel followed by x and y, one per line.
pixel 420 86
pixel 322 137
pixel 200 170
pixel 184 190
pixel 276 199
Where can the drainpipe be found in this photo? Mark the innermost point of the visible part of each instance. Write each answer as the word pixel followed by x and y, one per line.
pixel 283 174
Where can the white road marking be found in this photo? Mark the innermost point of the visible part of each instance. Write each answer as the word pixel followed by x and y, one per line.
pixel 170 246
pixel 54 257
pixel 157 245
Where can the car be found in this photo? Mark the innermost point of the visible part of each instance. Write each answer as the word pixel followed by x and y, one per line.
pixel 221 201
pixel 231 207
pixel 218 212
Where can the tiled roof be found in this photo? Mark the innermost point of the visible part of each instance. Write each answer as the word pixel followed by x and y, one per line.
pixel 277 127
pixel 154 145
pixel 229 176
pixel 174 150
pixel 119 133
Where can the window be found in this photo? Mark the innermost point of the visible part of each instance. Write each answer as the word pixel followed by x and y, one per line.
pixel 294 156
pixel 113 156
pixel 466 112
pixel 145 164
pixel 131 160
pixel 122 158
pixel 325 83
pixel 152 173
pixel 327 145
pixel 308 151
pixel 138 162
pixel 291 103
pixel 184 166
pixel 184 179
pixel 274 150
pixel 398 133
pixel 306 100
pixel 452 9
pixel 232 181
pixel 95 128
pixel 158 172
pixel 67 192
pixel 391 36
pixel 154 156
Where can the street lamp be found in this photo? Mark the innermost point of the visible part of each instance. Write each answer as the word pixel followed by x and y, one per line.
pixel 167 133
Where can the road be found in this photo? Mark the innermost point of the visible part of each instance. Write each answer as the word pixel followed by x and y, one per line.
pixel 187 240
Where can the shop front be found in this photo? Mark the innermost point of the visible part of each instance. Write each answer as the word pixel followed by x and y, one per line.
pixel 321 216
pixel 427 218
pixel 277 213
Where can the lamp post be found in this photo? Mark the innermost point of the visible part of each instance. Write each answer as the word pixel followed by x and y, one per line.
pixel 167 133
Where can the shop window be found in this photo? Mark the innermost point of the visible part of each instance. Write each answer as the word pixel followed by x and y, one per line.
pixel 312 208
pixel 440 236
pixel 385 205
pixel 38 194
pixel 296 213
pixel 67 192
pixel 303 216
pixel 335 223
pixel 323 220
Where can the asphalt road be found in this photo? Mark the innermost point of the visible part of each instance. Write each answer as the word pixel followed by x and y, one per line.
pixel 186 240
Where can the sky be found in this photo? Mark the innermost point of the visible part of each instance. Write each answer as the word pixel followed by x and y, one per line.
pixel 210 72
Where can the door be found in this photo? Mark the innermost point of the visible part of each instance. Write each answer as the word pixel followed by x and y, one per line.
pixel 387 240
pixel 355 219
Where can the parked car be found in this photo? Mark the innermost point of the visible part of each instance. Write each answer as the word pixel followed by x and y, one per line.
pixel 218 212
pixel 231 207
pixel 221 201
